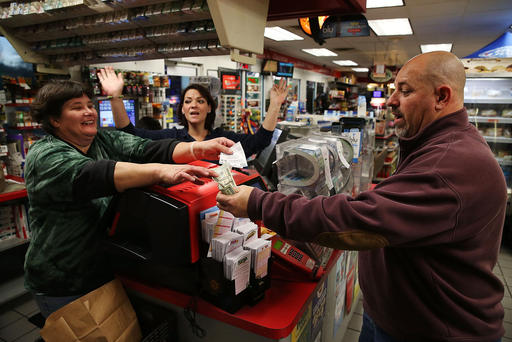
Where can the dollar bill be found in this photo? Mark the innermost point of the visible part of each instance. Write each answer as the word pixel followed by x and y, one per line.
pixel 225 181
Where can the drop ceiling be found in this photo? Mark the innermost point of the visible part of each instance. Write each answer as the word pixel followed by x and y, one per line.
pixel 468 24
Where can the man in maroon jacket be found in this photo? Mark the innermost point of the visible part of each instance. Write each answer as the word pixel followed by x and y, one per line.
pixel 430 234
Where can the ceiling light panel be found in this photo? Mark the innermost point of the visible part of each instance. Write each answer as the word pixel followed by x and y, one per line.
pixel 383 3
pixel 435 47
pixel 280 34
pixel 391 27
pixel 360 69
pixel 320 52
pixel 345 62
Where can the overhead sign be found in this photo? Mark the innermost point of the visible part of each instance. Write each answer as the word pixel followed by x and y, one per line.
pixel 377 76
pixel 321 28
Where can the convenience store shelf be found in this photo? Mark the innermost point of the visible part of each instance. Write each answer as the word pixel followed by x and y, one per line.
pixel 72 35
pixel 392 161
pixel 489 100
pixel 490 119
pixel 384 137
pixel 14 190
pixel 504 162
pixel 498 140
pixel 68 12
pixel 11 243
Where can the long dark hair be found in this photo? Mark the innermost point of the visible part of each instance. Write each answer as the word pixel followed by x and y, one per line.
pixel 210 117
pixel 52 96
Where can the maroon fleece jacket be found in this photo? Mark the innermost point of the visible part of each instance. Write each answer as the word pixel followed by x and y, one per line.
pixel 432 234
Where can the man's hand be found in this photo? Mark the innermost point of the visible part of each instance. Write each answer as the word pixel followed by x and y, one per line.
pixel 111 83
pixel 174 174
pixel 236 204
pixel 211 149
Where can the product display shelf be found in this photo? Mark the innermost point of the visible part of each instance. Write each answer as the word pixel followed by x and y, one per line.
pixel 489 105
pixel 57 14
pixel 504 162
pixel 491 119
pixel 14 190
pixel 11 243
pixel 136 3
pixel 231 112
pixel 59 30
pixel 131 43
pixel 117 42
pixel 172 18
pixel 57 35
pixel 62 29
pixel 487 100
pixel 57 51
pixel 12 250
pixel 395 158
pixel 494 139
pixel 386 157
pixel 173 38
pixel 118 55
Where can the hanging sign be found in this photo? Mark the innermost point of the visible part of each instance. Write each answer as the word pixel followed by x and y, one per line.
pixel 321 28
pixel 381 77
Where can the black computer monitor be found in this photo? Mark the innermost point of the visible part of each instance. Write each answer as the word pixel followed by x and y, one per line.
pixel 105 116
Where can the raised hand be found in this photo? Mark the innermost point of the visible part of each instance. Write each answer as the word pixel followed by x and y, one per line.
pixel 279 92
pixel 111 83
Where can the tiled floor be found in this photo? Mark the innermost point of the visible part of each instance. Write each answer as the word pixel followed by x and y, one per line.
pixel 14 324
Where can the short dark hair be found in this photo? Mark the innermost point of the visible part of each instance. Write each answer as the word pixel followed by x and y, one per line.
pixel 52 96
pixel 210 117
pixel 148 122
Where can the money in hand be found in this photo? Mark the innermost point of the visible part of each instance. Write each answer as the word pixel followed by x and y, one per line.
pixel 225 180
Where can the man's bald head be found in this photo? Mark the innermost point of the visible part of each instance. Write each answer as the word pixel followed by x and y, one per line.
pixel 427 87
pixel 441 67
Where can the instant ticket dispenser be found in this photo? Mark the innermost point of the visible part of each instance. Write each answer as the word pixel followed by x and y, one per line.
pixel 155 234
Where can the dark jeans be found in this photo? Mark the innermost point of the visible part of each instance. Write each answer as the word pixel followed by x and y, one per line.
pixel 370 332
pixel 48 304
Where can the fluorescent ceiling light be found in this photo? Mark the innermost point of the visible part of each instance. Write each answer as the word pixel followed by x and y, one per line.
pixel 435 47
pixel 320 52
pixel 279 34
pixel 360 69
pixel 345 63
pixel 383 3
pixel 391 27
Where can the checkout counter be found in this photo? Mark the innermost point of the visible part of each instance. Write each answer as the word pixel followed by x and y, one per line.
pixel 155 246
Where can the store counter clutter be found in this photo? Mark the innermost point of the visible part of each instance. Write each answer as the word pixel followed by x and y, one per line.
pixel 158 250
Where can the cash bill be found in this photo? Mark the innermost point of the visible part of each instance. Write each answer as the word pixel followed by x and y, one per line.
pixel 225 180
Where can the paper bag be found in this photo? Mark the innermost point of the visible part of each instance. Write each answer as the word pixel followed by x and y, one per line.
pixel 103 315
